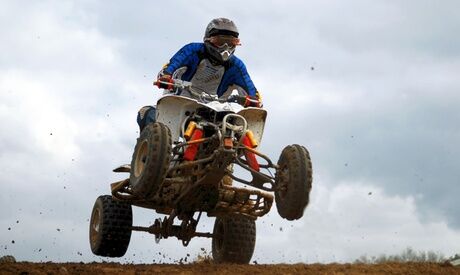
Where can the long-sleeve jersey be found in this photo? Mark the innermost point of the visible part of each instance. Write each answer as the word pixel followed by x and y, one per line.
pixel 193 64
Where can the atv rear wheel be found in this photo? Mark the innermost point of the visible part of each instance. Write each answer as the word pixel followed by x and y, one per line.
pixel 110 227
pixel 151 158
pixel 234 238
pixel 293 182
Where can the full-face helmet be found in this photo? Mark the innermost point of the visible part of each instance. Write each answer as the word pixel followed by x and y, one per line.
pixel 221 38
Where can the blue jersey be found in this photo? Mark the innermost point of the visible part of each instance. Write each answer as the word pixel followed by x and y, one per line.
pixel 192 54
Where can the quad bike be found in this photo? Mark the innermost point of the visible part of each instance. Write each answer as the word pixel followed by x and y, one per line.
pixel 183 165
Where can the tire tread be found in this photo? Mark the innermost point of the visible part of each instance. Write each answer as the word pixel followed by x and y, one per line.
pixel 115 227
pixel 291 206
pixel 239 240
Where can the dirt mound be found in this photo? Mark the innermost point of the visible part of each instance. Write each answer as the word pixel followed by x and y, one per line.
pixel 205 268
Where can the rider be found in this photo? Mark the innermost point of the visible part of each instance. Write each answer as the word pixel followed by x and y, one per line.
pixel 211 66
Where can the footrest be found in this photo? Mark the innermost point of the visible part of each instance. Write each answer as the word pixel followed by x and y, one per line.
pixel 123 169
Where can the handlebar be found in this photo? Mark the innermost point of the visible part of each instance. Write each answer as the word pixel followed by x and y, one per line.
pixel 176 83
pixel 203 96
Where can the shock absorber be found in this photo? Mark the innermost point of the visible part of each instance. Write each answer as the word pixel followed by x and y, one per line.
pixel 249 141
pixel 194 134
pixel 189 131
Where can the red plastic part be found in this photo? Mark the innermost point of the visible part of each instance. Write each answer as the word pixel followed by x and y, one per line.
pixel 250 156
pixel 192 149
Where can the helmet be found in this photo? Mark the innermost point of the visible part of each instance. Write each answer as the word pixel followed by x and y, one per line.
pixel 221 38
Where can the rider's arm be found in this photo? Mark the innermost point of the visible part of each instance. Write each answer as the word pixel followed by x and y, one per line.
pixel 240 77
pixel 184 57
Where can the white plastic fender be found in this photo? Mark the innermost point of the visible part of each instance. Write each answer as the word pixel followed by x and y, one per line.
pixel 173 109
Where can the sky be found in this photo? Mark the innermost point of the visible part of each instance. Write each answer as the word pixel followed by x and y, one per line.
pixel 370 88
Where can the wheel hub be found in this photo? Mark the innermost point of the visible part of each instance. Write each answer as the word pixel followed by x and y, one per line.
pixel 141 158
pixel 95 225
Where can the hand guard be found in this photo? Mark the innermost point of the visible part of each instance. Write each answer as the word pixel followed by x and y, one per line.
pixel 165 82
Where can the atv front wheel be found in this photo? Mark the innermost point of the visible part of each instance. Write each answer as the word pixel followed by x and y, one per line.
pixel 151 159
pixel 293 182
pixel 110 227
pixel 234 238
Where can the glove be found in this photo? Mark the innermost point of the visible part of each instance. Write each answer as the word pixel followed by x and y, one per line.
pixel 165 82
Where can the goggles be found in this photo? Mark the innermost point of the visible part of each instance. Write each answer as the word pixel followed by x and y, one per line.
pixel 221 40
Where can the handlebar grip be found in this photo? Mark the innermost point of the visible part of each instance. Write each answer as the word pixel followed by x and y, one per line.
pixel 246 101
pixel 252 102
pixel 168 85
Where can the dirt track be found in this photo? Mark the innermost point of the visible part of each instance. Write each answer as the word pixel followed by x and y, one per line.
pixel 205 268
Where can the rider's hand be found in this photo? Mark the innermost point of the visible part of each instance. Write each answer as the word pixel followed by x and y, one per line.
pixel 165 82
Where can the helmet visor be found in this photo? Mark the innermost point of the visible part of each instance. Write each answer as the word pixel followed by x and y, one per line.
pixel 221 40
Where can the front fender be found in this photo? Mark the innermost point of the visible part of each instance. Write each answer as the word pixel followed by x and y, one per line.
pixel 255 118
pixel 173 109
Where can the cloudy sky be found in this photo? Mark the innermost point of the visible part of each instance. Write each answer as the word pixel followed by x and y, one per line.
pixel 370 88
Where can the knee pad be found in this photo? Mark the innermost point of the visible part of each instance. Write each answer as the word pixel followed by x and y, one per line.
pixel 145 116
